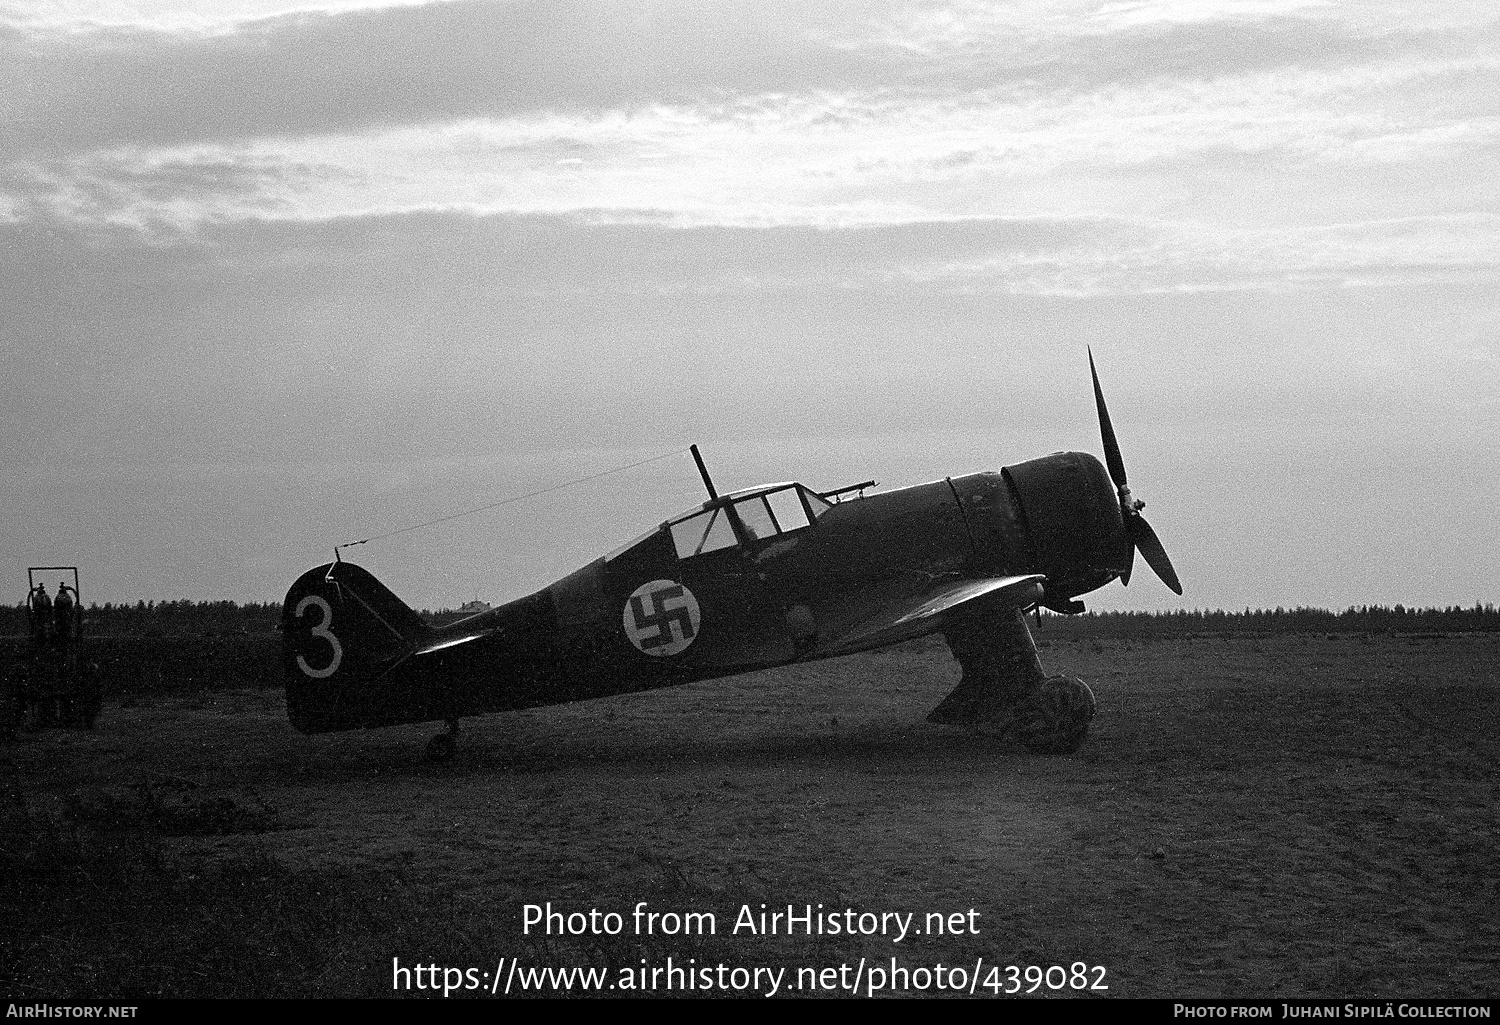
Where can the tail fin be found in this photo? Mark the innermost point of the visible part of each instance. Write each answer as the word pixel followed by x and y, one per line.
pixel 341 630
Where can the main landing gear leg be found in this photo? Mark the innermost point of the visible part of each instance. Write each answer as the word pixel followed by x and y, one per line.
pixel 1004 685
pixel 441 747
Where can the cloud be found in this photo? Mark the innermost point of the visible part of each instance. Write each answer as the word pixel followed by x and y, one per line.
pixel 1226 153
pixel 316 74
pixel 156 190
pixel 319 73
pixel 1171 118
pixel 170 15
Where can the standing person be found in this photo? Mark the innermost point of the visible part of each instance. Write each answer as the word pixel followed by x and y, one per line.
pixel 63 609
pixel 41 612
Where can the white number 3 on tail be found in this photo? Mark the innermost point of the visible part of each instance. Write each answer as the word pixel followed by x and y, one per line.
pixel 321 630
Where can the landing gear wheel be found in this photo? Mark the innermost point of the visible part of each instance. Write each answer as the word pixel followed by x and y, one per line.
pixel 441 747
pixel 89 712
pixel 1054 720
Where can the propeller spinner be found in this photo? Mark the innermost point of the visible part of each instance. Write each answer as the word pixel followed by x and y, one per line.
pixel 1136 528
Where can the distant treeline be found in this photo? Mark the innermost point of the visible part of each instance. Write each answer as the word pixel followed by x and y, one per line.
pixel 164 617
pixel 227 617
pixel 1355 619
pixel 173 617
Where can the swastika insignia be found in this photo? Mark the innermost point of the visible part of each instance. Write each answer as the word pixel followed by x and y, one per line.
pixel 661 618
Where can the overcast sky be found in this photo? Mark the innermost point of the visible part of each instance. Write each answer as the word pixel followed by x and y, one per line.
pixel 277 274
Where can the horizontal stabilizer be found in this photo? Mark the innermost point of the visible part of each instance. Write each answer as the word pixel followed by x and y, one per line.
pixel 449 642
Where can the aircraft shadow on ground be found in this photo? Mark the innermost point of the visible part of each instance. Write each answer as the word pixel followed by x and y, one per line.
pixel 486 750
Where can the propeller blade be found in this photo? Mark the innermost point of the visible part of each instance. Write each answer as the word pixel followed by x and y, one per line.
pixel 1106 429
pixel 1143 537
pixel 1129 566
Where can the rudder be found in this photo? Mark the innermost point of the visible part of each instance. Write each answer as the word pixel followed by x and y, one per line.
pixel 341 630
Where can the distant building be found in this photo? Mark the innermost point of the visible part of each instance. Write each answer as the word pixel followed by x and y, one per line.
pixel 470 608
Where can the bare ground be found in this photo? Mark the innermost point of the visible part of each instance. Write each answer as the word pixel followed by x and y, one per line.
pixel 1272 817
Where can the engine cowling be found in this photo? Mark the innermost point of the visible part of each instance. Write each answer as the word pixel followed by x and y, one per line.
pixel 1072 520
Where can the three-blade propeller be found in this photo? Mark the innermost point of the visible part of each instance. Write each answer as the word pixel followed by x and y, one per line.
pixel 1136 528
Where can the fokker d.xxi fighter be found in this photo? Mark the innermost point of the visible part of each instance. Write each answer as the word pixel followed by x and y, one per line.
pixel 760 577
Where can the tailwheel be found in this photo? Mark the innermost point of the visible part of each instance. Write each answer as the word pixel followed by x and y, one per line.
pixel 441 747
pixel 1054 719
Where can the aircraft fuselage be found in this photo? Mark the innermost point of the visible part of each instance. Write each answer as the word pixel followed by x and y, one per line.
pixel 759 578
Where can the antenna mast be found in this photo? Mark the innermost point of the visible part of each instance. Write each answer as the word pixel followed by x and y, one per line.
pixel 713 496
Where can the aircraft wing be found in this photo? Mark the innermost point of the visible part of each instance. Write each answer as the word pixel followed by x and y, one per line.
pixel 920 613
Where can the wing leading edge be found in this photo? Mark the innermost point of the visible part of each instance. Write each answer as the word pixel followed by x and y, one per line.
pixel 923 612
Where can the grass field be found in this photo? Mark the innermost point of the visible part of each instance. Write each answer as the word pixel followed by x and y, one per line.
pixel 1272 817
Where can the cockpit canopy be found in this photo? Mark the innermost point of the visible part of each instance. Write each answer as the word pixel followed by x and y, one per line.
pixel 754 514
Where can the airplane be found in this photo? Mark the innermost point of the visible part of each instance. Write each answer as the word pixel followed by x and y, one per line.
pixel 760 577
